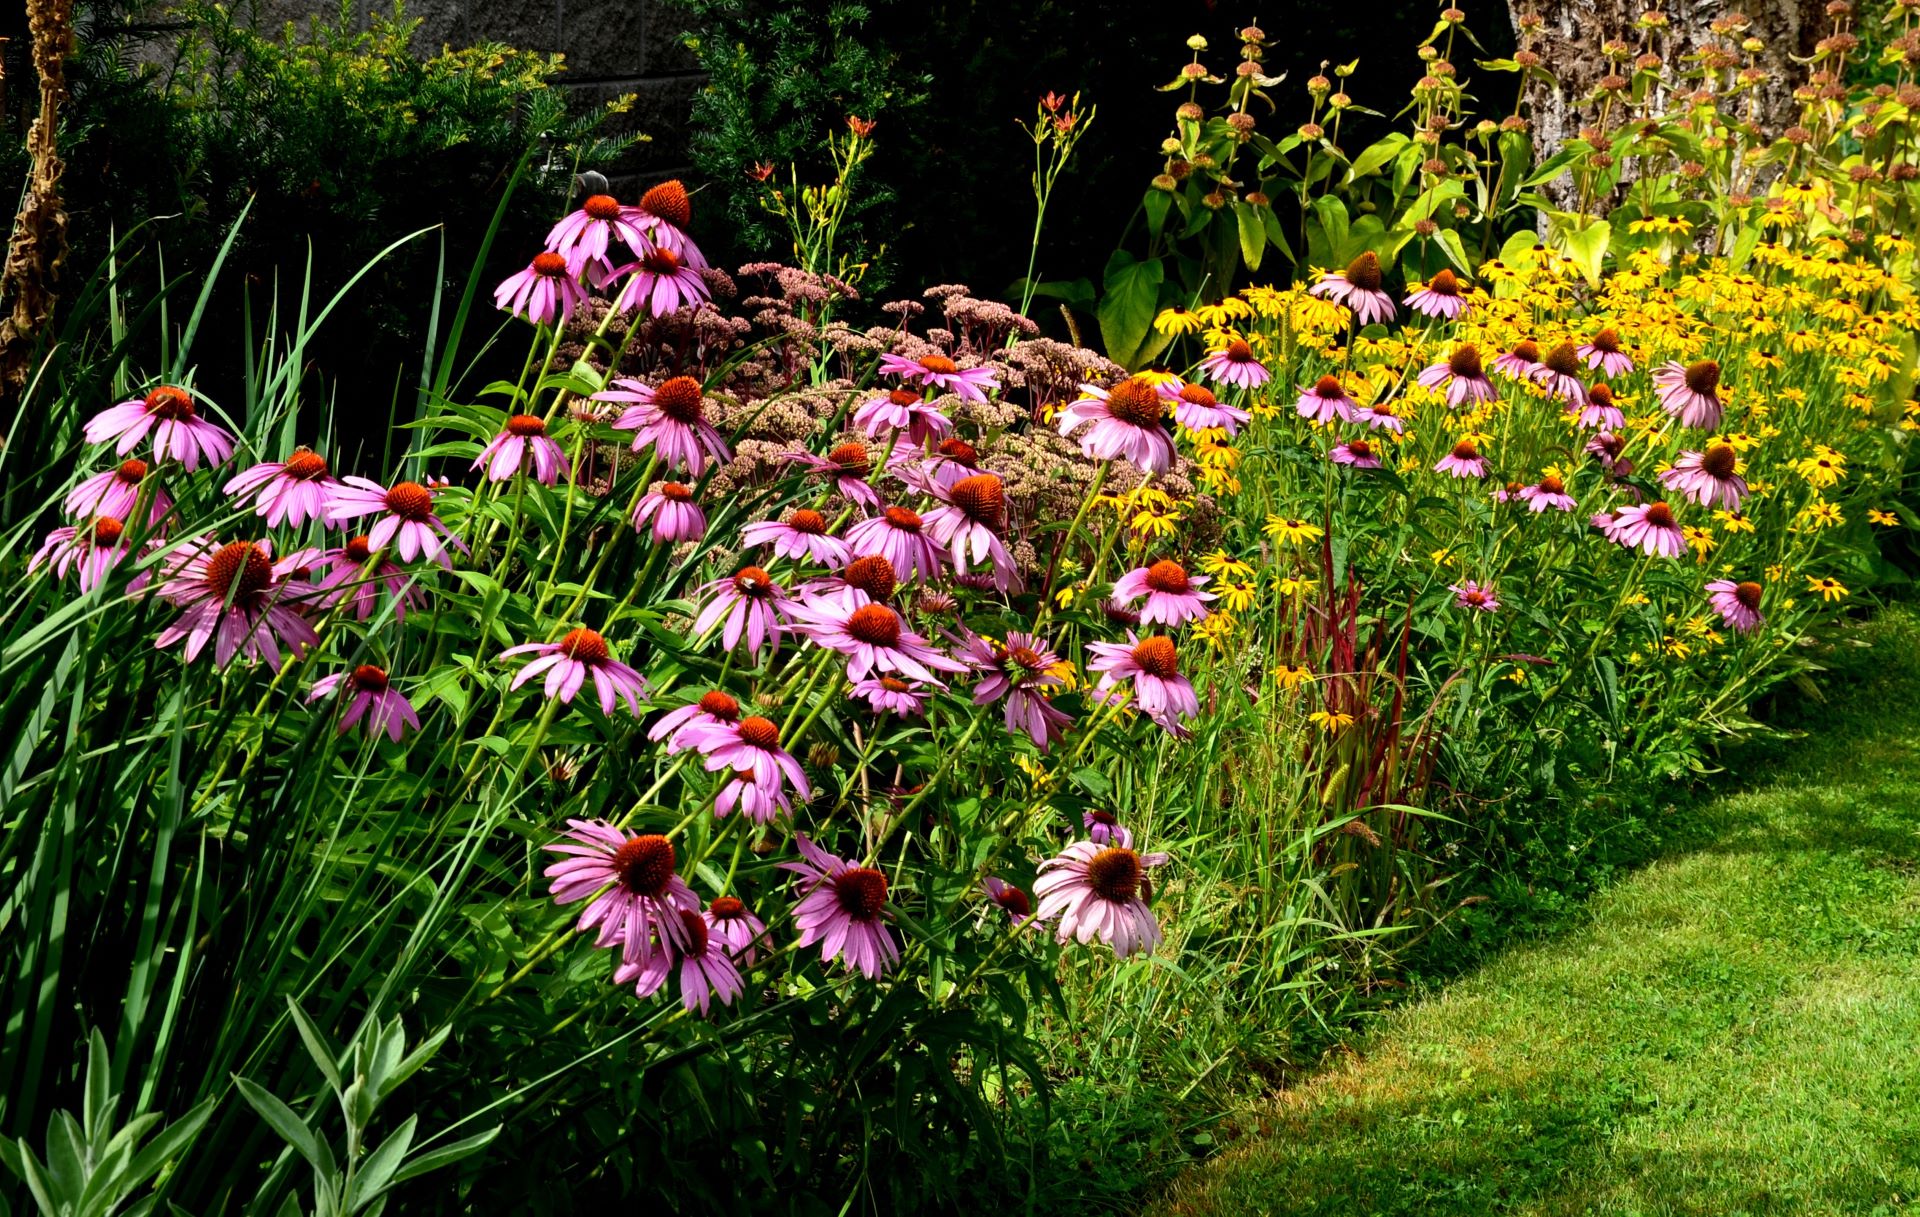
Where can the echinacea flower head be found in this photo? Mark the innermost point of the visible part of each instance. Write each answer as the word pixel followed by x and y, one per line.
pixel 1470 595
pixel 116 492
pixel 1326 400
pixel 682 728
pixel 1737 603
pixel 951 459
pixel 167 412
pixel 1359 453
pixel 1462 377
pixel 346 577
pixel 1443 298
pixel 1018 670
pixel 292 491
pixel 1603 351
pixel 1691 393
pixel 1649 528
pixel 967 524
pixel 1235 364
pixel 902 410
pixel 753 607
pixel 1549 492
pixel 1152 666
pixel 761 802
pixel 874 638
pixel 545 293
pixel 803 534
pixel 1521 362
pixel 698 960
pixel 843 908
pixel 661 283
pixel 1601 410
pixel 1173 596
pixel 236 597
pixel 578 654
pixel 93 549
pixel 1360 287
pixel 670 510
pixel 585 237
pixel 1011 900
pixel 1559 371
pixel 370 696
pixel 897 534
pixel 672 418
pixel 1380 416
pixel 968 384
pixel 1606 447
pixel 847 466
pixel 635 887
pixel 1128 421
pixel 522 442
pixel 406 522
pixel 1710 478
pixel 1463 461
pixel 733 923
pixel 1105 828
pixel 1095 891
pixel 891 695
pixel 752 745
pixel 1197 409
pixel 663 213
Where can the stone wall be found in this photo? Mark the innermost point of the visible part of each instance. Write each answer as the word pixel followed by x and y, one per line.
pixel 612 47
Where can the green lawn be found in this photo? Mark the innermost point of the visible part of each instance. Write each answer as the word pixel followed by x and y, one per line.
pixel 1734 1030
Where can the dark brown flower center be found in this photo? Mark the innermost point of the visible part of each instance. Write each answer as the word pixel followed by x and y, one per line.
pixel 1444 283
pixel 720 705
pixel 1013 900
pixel 369 678
pixel 1475 596
pixel 1610 443
pixel 872 574
pixel 586 646
pixel 526 426
pixel 551 266
pixel 677 492
pixel 1134 401
pixel 1364 272
pixel 644 865
pixel 727 908
pixel 1157 656
pixel 1703 377
pixel 1360 448
pixel 1198 395
pixel 1239 352
pixel 1168 576
pixel 305 465
pixel 894 684
pixel 602 207
pixel 861 891
pixel 410 501
pixel 1720 460
pixel 1747 593
pixel 1660 515
pixel 808 521
pixel 1552 485
pixel 1465 363
pixel 669 201
pixel 170 403
pixel 239 570
pixel 904 397
pixel 660 261
pixel 1600 395
pixel 697 937
pixel 874 624
pixel 131 472
pixel 939 365
pixel 753 582
pixel 358 549
pixel 761 733
pixel 1114 874
pixel 1607 341
pixel 1105 817
pixel 1465 451
pixel 980 497
pixel 1328 387
pixel 960 452
pixel 1528 350
pixel 1564 359
pixel 107 531
pixel 902 518
pixel 852 459
pixel 1026 657
pixel 680 399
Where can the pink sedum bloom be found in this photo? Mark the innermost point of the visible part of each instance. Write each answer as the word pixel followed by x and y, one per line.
pixel 116 492
pixel 170 415
pixel 672 514
pixel 968 384
pixel 1173 597
pixel 672 418
pixel 236 597
pixel 546 292
pixel 406 522
pixel 843 908
pixel 579 654
pixel 1094 891
pixel 286 492
pixel 369 697
pixel 634 888
pixel 1234 364
pixel 753 607
pixel 1152 666
pixel 522 442
pixel 1737 603
pixel 1128 421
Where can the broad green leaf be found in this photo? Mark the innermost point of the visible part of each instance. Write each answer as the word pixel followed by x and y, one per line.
pixel 1128 305
pixel 1253 233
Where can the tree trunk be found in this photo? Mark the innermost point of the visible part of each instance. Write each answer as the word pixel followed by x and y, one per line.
pixel 1568 36
pixel 38 244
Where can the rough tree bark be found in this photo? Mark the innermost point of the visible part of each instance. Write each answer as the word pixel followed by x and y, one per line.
pixel 1571 33
pixel 37 246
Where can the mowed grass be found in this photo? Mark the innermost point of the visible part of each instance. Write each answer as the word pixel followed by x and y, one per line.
pixel 1734 1030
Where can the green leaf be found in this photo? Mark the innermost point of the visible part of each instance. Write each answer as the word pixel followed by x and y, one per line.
pixel 1456 252
pixel 379 1167
pixel 324 1055
pixel 446 1155
pixel 1375 157
pixel 1157 204
pixel 281 1118
pixel 1253 233
pixel 1588 248
pixel 1333 221
pixel 1128 304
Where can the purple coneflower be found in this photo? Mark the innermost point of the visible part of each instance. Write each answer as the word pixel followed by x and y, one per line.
pixel 1197 409
pixel 890 694
pixel 1737 603
pixel 802 534
pixel 1691 393
pixel 699 961
pixel 523 439
pixel 581 653
pixel 1380 416
pixel 1360 288
pixel 342 580
pixel 842 907
pixel 1173 596
pixel 372 697
pixel 406 520
pixel 902 410
pixel 1359 453
pixel 1559 371
pixel 660 282
pixel 1650 528
pixel 1128 421
pixel 1234 364
pixel 848 466
pixel 896 535
pixel 633 881
pixel 684 727
pixel 289 492
pixel 1470 595
pixel 1461 375
pixel 545 293
pixel 672 417
pixel 867 579
pixel 1008 898
pixel 674 515
pixel 1549 492
pixel 1326 400
pixel 968 384
pixel 753 606
pixel 1105 828
pixel 170 414
pixel 1711 478
pixel 236 596
pixel 1603 351
pixel 116 492
pixel 1464 461
pixel 1606 447
pixel 664 213
pixel 753 745
pixel 94 549
pixel 874 639
pixel 1441 298
pixel 583 237
pixel 1094 891
pixel 967 524
pixel 1018 671
pixel 1521 362
pixel 759 801
pixel 950 461
pixel 733 923
pixel 1152 664
pixel 1600 409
